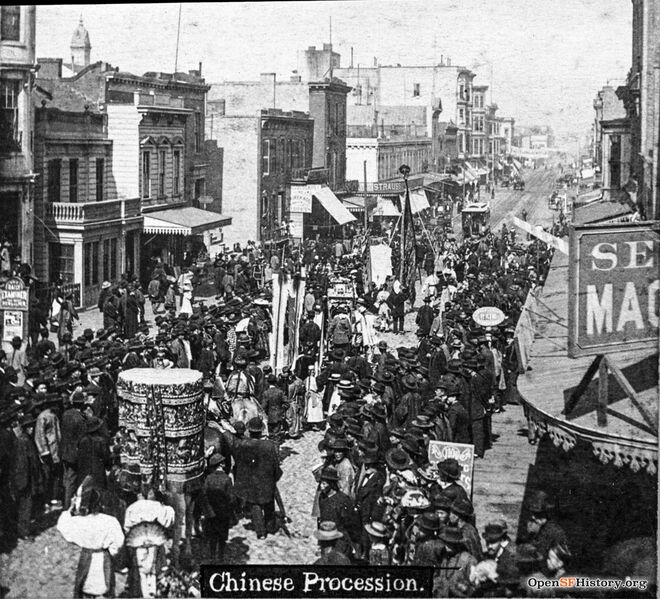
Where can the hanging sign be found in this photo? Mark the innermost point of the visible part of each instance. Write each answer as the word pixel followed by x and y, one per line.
pixel 613 287
pixel 488 316
pixel 463 453
pixel 301 199
pixel 12 325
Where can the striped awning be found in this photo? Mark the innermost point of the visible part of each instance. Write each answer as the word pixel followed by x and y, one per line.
pixel 183 221
pixel 418 201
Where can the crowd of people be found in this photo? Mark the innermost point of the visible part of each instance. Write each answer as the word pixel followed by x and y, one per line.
pixel 379 499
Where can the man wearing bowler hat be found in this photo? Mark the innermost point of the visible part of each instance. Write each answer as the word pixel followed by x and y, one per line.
pixel 449 471
pixel 498 548
pixel 336 506
pixel 257 472
pixel 455 557
pixel 461 515
pixel 542 532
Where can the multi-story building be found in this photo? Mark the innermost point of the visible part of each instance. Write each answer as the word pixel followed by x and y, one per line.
pixel 324 99
pixel 158 155
pixel 479 144
pixel 17 176
pixel 641 98
pixel 265 152
pixel 611 140
pixel 84 234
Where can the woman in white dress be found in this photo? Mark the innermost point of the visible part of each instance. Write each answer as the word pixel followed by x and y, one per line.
pixel 313 401
pixel 186 299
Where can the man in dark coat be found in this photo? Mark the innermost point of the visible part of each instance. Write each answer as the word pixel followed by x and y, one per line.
pixel 457 415
pixel 93 454
pixel 480 393
pixel 219 501
pixel 498 548
pixel 72 429
pixel 310 334
pixel 425 317
pixel 397 302
pixel 409 405
pixel 437 361
pixel 337 507
pixel 26 475
pixel 368 489
pixel 257 472
pixel 273 402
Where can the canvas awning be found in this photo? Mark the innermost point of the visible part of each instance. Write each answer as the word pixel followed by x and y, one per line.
pixel 418 201
pixel 600 212
pixel 517 164
pixel 354 203
pixel 385 207
pixel 333 206
pixel 183 221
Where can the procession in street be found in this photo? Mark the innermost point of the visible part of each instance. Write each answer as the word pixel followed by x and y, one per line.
pixel 427 337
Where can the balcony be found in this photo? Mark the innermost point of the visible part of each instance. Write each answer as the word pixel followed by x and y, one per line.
pixel 63 213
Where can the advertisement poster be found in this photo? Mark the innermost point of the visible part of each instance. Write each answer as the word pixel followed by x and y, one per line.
pixel 463 453
pixel 12 325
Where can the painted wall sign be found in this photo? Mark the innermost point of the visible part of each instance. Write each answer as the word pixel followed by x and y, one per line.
pixel 613 287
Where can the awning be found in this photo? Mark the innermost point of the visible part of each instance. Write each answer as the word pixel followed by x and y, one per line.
pixel 600 212
pixel 333 206
pixel 183 221
pixel 590 196
pixel 385 207
pixel 354 203
pixel 418 201
pixel 517 164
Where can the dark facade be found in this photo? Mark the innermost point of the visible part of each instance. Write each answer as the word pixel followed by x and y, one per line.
pixel 285 152
pixel 327 106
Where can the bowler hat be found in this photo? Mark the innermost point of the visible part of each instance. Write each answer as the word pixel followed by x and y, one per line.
pixel 410 382
pixel 462 507
pixel 494 532
pixel 450 469
pixel 215 459
pixel 93 424
pixel 255 425
pixel 429 522
pixel 452 536
pixel 371 457
pixel 379 411
pixel 422 422
pixel 454 365
pixel 429 472
pixel 338 444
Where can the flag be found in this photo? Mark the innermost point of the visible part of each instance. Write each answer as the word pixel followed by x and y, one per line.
pixel 407 248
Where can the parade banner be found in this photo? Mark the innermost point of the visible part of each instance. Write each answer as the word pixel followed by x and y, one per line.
pixel 613 288
pixel 408 249
pixel 463 453
pixel 381 263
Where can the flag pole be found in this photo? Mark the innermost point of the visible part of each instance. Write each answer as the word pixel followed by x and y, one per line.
pixel 405 171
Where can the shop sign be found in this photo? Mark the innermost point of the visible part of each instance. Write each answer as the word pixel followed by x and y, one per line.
pixel 301 199
pixel 488 316
pixel 463 453
pixel 613 287
pixel 388 187
pixel 14 295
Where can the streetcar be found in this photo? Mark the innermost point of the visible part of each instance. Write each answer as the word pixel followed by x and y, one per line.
pixel 475 218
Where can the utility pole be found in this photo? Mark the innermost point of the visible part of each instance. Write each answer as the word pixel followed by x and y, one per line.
pixel 366 216
pixel 178 32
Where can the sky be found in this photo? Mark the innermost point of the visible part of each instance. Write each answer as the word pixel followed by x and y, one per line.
pixel 544 59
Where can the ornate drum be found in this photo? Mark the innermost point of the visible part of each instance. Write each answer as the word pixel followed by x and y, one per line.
pixel 162 415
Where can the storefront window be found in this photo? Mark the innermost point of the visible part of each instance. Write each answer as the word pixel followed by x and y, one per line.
pixel 88 264
pixel 61 262
pixel 106 260
pixel 113 258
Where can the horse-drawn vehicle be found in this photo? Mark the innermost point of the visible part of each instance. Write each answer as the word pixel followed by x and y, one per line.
pixel 341 291
pixel 519 184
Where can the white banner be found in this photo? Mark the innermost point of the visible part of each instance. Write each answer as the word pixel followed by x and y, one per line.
pixel 538 232
pixel 381 263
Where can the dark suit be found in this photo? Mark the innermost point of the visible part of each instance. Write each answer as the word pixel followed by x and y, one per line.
pixel 459 423
pixel 437 366
pixel 26 480
pixel 93 459
pixel 424 318
pixel 339 508
pixel 72 429
pixel 257 472
pixel 219 499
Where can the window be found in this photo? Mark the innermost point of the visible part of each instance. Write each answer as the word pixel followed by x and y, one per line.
pixel 100 179
pixel 10 136
pixel 88 264
pixel 198 132
pixel 337 119
pixel 73 180
pixel 281 154
pixel 113 258
pixel 303 153
pixel 10 23
pixel 54 179
pixel 146 174
pixel 61 260
pixel 265 157
pixel 96 246
pixel 162 156
pixel 176 184
pixel 106 260
pixel 416 90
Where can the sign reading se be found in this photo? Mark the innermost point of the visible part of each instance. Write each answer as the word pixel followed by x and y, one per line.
pixel 613 287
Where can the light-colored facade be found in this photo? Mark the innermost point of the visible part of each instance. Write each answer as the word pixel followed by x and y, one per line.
pixel 17 176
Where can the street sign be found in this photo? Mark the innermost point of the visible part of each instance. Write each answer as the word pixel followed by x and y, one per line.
pixel 613 287
pixel 463 453
pixel 205 200
pixel 488 316
pixel 14 295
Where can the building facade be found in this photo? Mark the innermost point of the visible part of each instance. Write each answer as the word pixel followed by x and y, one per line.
pixel 17 176
pixel 480 132
pixel 641 98
pixel 265 153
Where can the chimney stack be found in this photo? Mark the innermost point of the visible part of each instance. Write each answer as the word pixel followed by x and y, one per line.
pixel 351 56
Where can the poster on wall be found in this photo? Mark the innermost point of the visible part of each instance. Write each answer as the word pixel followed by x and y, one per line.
pixel 301 199
pixel 12 325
